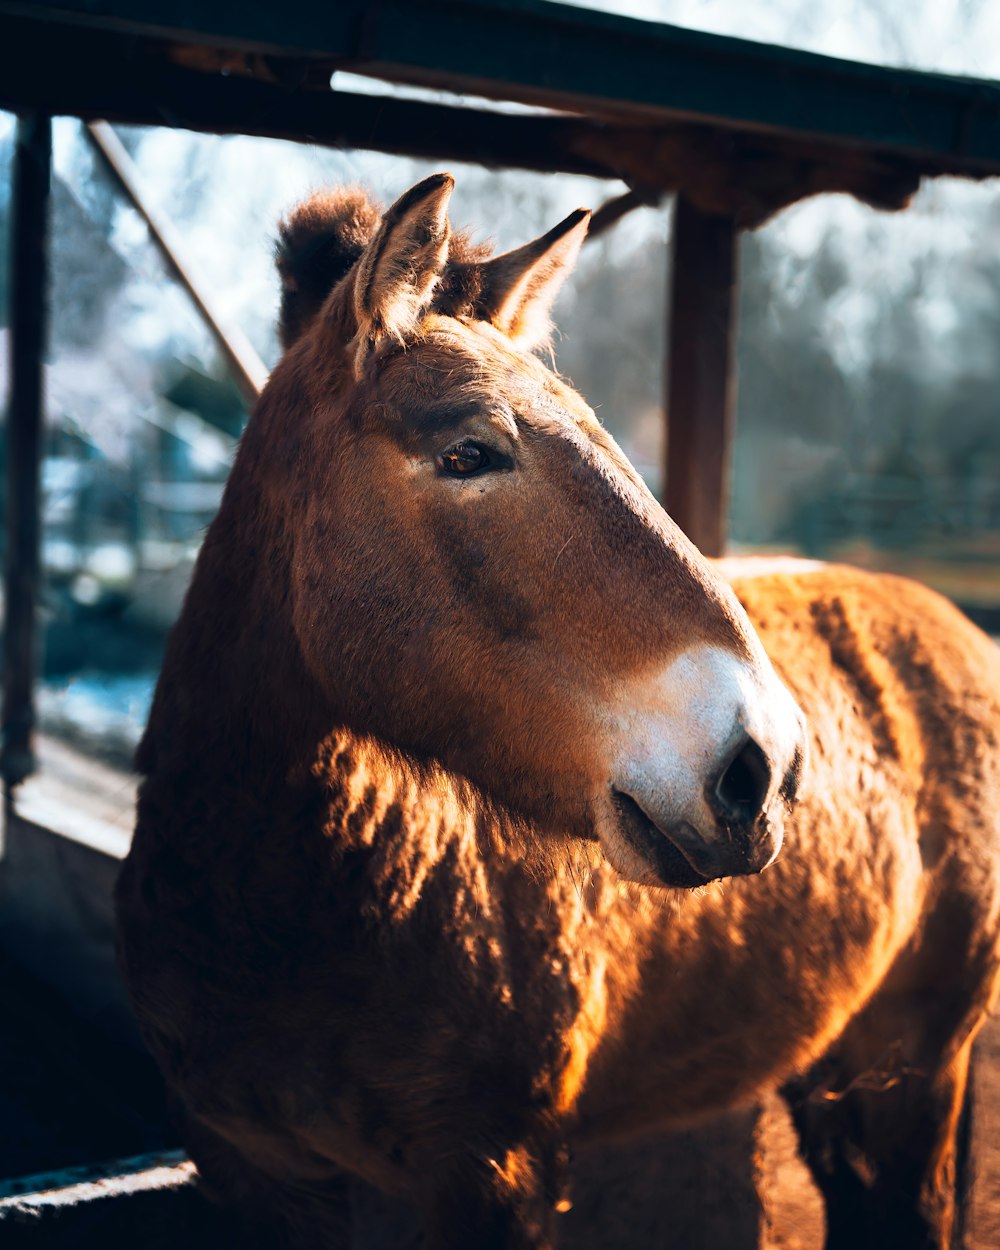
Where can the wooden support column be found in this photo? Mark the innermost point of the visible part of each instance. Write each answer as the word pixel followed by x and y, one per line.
pixel 700 383
pixel 25 430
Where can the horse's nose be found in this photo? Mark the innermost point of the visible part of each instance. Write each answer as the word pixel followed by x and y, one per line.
pixel 738 794
pixel 793 778
pixel 706 769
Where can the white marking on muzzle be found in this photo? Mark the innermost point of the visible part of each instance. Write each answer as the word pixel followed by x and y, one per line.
pixel 675 731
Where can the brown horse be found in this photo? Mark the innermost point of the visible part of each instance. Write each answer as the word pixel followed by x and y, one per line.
pixel 452 721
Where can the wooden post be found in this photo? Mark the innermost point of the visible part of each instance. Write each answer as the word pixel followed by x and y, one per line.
pixel 25 432
pixel 700 384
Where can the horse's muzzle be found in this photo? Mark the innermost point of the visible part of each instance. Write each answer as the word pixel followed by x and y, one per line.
pixel 680 856
pixel 710 756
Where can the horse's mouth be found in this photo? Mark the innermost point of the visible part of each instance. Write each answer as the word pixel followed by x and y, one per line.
pixel 655 846
pixel 679 855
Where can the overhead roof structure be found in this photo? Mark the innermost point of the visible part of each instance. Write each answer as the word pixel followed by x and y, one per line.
pixel 741 127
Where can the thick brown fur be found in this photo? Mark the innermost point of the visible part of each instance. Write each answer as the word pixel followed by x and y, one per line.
pixel 364 921
pixel 321 240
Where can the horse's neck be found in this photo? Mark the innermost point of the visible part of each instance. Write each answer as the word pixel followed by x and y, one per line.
pixel 234 696
pixel 407 819
pixel 239 724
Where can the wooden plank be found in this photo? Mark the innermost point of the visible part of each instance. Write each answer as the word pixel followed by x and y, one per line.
pixel 25 432
pixel 94 1181
pixel 245 366
pixel 95 76
pixel 611 212
pixel 750 174
pixel 154 1203
pixel 700 384
pixel 581 60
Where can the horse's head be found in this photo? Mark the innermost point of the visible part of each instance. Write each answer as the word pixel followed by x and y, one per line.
pixel 480 577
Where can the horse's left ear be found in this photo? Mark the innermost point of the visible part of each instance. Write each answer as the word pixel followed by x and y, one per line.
pixel 398 269
pixel 519 288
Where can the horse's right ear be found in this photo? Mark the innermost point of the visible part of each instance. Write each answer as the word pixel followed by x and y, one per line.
pixel 397 271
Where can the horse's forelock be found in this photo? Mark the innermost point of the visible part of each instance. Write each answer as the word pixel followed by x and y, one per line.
pixel 321 241
pixel 318 243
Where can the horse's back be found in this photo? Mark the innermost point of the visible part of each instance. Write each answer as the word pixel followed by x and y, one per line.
pixel 903 695
pixel 884 633
pixel 905 650
pixel 894 678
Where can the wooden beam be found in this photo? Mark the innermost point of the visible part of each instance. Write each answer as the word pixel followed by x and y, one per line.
pixel 25 433
pixel 115 1205
pixel 73 1186
pixel 700 384
pixel 612 211
pixel 581 60
pixel 93 77
pixel 242 360
pixel 94 74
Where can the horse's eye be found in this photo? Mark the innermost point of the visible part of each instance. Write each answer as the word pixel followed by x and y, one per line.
pixel 464 459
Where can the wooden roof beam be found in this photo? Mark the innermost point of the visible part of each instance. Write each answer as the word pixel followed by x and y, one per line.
pixel 746 176
pixel 578 59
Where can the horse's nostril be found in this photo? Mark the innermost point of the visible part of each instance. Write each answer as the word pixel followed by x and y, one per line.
pixel 742 789
pixel 793 778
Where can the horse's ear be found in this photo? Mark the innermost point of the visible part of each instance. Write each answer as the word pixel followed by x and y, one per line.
pixel 519 288
pixel 398 269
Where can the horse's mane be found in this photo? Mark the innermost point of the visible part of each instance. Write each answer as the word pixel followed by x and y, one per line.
pixel 320 241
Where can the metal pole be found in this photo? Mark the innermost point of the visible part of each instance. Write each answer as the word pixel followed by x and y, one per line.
pixel 248 370
pixel 700 384
pixel 25 432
